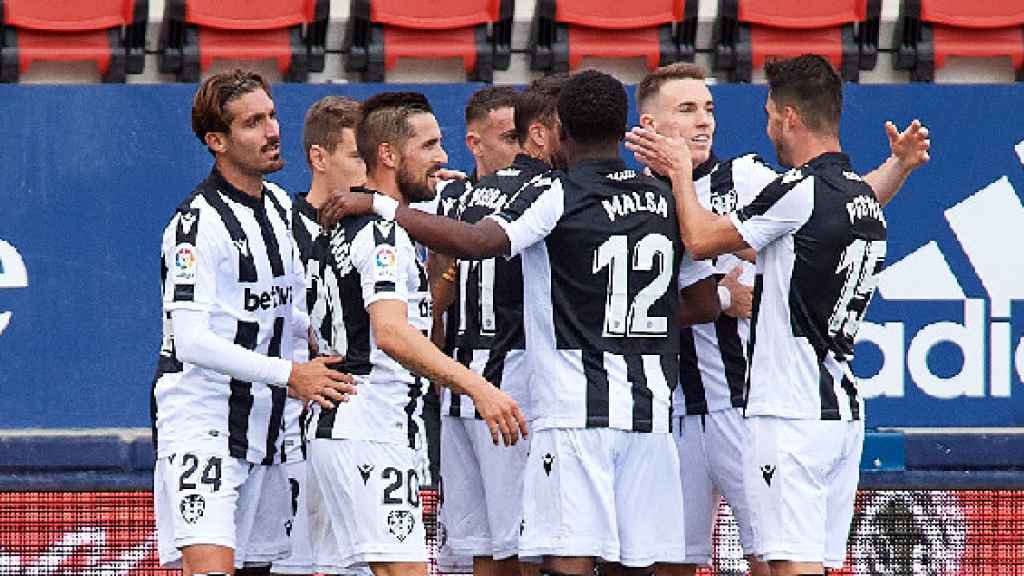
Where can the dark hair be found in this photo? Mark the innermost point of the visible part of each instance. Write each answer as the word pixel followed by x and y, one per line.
pixel 325 120
pixel 652 83
pixel 386 119
pixel 486 100
pixel 811 85
pixel 538 103
pixel 213 95
pixel 593 108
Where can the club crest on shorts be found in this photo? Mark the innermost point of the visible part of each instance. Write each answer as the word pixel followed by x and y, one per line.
pixel 400 524
pixel 548 461
pixel 192 508
pixel 767 471
pixel 364 471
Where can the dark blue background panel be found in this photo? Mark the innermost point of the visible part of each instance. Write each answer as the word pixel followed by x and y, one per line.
pixel 90 175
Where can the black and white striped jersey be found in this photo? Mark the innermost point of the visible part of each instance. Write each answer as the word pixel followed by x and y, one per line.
pixel 601 252
pixel 489 331
pixel 373 259
pixel 231 256
pixel 447 205
pixel 713 356
pixel 820 237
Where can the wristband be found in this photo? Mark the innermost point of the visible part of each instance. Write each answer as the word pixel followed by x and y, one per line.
pixel 384 206
pixel 724 297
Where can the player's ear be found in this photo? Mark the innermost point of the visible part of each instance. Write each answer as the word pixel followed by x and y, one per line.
pixel 387 155
pixel 216 141
pixel 537 133
pixel 647 121
pixel 472 141
pixel 317 157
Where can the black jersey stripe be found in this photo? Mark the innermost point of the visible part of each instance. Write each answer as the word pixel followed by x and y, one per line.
pixel 278 397
pixel 276 203
pixel 246 264
pixel 463 356
pixel 851 393
pixel 826 387
pixel 241 400
pixel 733 360
pixel 415 392
pixel 755 311
pixel 689 374
pixel 270 239
pixel 670 372
pixel 185 232
pixel 597 388
pixel 643 399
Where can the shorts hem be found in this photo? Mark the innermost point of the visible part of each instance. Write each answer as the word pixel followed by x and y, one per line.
pixel 278 568
pixel 481 548
pixel 389 556
pixel 663 556
pixel 576 548
pixel 696 560
pixel 265 558
pixel 791 556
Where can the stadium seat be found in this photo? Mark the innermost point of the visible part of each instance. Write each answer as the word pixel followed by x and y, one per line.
pixel 749 32
pixel 929 31
pixel 563 32
pixel 380 32
pixel 292 33
pixel 111 33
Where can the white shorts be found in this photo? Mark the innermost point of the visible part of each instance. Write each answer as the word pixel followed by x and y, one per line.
pixel 801 481
pixel 300 561
pixel 205 498
pixel 364 503
pixel 482 491
pixel 603 493
pixel 711 466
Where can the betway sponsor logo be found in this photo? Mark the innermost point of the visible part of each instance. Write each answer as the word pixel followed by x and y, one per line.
pixel 12 275
pixel 989 225
pixel 276 296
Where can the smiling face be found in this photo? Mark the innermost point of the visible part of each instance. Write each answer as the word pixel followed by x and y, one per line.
pixel 252 144
pixel 684 109
pixel 421 157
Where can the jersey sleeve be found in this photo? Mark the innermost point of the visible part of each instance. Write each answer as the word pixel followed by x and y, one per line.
pixel 532 214
pixel 692 271
pixel 381 254
pixel 192 253
pixel 753 175
pixel 781 208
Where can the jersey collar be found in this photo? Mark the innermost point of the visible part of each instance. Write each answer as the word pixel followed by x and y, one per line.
pixel 705 167
pixel 828 158
pixel 219 182
pixel 602 166
pixel 529 163
pixel 304 207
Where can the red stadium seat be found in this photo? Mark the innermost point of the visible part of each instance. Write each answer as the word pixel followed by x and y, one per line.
pixel 564 32
pixel 111 33
pixel 750 32
pixel 929 31
pixel 292 33
pixel 479 32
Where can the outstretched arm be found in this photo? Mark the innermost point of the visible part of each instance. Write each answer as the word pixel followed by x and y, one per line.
pixel 910 150
pixel 485 239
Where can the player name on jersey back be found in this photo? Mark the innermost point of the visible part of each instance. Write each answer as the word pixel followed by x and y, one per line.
pixel 601 252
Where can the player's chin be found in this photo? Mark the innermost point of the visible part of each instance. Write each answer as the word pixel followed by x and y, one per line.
pixel 274 163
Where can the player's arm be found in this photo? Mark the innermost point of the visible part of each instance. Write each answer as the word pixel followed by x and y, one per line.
pixel 698 292
pixel 698 303
pixel 735 297
pixel 484 239
pixel 442 275
pixel 910 150
pixel 399 340
pixel 704 233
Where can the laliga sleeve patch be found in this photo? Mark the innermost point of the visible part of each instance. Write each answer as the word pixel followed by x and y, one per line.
pixel 184 271
pixel 385 264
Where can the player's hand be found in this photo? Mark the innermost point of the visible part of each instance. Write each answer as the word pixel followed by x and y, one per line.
pixel 910 147
pixel 311 342
pixel 501 413
pixel 666 155
pixel 449 174
pixel 345 204
pixel 314 381
pixel 741 296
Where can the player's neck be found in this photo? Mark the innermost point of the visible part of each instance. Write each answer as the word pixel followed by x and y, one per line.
pixel 582 153
pixel 386 184
pixel 318 193
pixel 249 184
pixel 535 152
pixel 812 146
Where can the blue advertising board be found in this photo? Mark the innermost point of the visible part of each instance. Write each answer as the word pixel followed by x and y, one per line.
pixel 89 175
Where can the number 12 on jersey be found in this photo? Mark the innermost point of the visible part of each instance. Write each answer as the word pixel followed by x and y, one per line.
pixel 623 318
